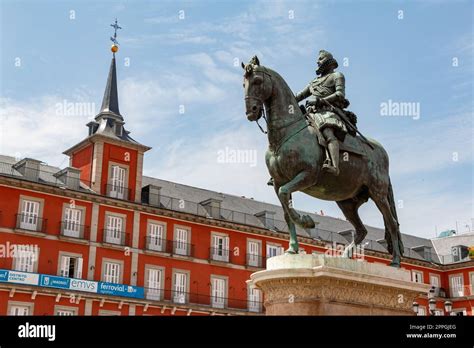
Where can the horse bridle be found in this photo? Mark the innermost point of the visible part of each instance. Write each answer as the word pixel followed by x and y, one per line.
pixel 263 112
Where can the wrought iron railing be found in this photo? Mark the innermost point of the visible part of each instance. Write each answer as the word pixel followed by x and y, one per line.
pixel 219 254
pixel 119 192
pixel 255 260
pixel 218 302
pixel 183 249
pixel 74 230
pixel 31 222
pixel 111 236
pixel 158 244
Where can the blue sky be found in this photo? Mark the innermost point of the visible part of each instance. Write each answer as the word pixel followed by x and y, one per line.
pixel 177 54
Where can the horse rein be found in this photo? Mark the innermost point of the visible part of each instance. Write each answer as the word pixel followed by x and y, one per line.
pixel 263 114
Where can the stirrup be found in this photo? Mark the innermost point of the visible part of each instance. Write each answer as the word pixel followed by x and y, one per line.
pixel 331 169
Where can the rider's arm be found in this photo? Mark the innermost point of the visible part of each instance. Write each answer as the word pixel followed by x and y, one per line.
pixel 340 93
pixel 305 93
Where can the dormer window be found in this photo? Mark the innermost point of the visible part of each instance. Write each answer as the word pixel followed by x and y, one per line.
pixel 267 218
pixel 118 129
pixel 212 207
pixel 117 186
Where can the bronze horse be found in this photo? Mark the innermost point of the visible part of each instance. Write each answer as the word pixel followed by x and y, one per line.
pixel 294 159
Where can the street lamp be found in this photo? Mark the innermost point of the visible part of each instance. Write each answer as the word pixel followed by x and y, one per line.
pixel 432 305
pixel 415 307
pixel 448 307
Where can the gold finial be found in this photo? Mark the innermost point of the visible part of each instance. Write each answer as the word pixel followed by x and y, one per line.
pixel 115 45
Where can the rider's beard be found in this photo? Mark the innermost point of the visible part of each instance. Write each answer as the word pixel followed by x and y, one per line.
pixel 325 67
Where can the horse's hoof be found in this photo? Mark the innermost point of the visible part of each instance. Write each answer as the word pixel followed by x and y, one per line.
pixel 395 263
pixel 348 251
pixel 290 251
pixel 359 237
pixel 307 222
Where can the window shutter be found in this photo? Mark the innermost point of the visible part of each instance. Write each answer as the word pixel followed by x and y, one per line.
pixel 79 261
pixel 65 262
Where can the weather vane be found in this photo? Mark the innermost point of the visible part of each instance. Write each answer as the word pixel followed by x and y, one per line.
pixel 114 38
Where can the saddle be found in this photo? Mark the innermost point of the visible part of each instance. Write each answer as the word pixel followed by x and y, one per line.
pixel 352 143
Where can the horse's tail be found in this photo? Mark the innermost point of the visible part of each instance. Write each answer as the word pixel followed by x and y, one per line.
pixel 393 210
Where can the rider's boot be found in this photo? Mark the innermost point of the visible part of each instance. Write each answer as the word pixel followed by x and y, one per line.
pixel 333 168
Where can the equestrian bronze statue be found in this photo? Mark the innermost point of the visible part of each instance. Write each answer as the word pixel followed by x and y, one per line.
pixel 305 146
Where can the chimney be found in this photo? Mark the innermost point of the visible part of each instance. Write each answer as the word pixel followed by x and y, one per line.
pixel 213 207
pixel 382 242
pixel 151 195
pixel 267 218
pixel 69 176
pixel 29 168
pixel 347 234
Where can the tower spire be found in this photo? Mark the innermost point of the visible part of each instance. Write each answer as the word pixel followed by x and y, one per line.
pixel 110 105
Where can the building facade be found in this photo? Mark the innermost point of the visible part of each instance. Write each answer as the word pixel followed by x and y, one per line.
pixel 100 238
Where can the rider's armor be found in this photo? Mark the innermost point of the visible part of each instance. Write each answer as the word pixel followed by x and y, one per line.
pixel 330 86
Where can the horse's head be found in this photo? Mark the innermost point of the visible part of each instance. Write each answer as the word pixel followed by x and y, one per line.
pixel 257 87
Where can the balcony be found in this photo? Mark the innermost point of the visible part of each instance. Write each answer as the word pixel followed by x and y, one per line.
pixel 184 249
pixel 31 222
pixel 219 254
pixel 462 291
pixel 111 236
pixel 119 192
pixel 255 260
pixel 73 230
pixel 157 244
pixel 218 302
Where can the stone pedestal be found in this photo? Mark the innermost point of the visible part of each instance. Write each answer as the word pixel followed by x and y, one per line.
pixel 307 284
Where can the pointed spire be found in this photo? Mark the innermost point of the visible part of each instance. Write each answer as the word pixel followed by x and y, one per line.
pixel 110 101
pixel 110 105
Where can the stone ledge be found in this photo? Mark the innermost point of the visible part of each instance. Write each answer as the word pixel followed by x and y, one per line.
pixel 321 285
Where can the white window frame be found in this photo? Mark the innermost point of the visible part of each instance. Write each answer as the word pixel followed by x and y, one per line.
pixel 417 276
pixel 30 220
pixel 109 278
pixel 180 291
pixel 471 287
pixel 156 234
pixel 254 259
pixel 19 308
pixel 73 226
pixel 115 231
pixel 154 287
pixel 275 247
pixel 26 258
pixel 438 280
pixel 219 291
pixel 457 291
pixel 64 264
pixel 65 311
pixel 421 311
pixel 118 185
pixel 254 298
pixel 181 246
pixel 220 246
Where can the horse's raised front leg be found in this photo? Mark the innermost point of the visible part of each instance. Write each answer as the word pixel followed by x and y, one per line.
pixel 293 244
pixel 301 181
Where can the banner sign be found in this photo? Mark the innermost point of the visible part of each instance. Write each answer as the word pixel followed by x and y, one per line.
pixel 50 281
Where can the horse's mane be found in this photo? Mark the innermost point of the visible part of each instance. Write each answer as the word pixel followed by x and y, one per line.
pixel 277 76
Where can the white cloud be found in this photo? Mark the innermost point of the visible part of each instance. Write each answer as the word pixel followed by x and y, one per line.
pixel 39 128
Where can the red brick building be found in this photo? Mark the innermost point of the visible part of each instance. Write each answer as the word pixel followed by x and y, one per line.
pixel 99 238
